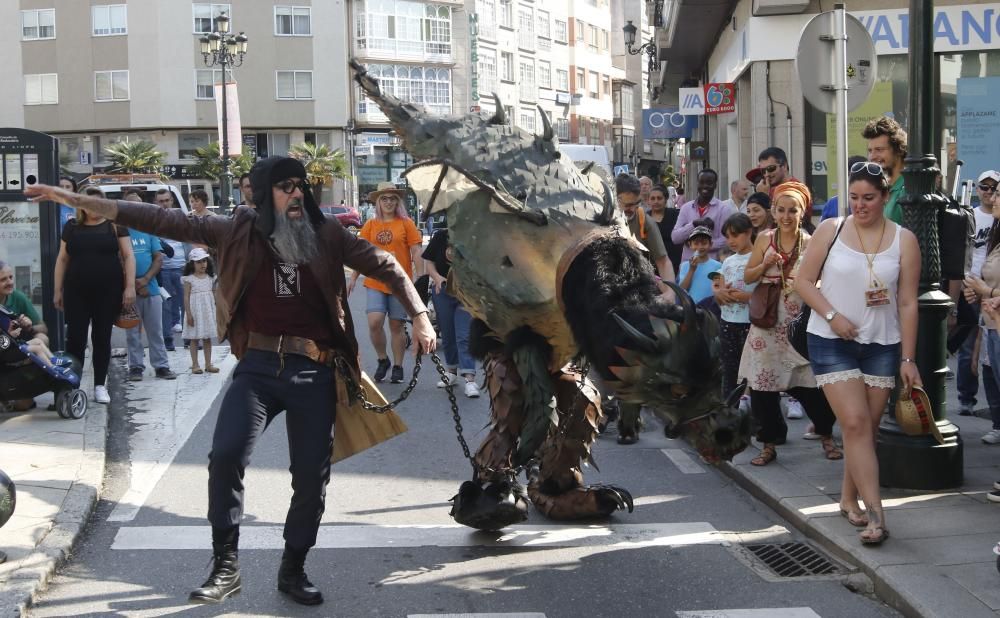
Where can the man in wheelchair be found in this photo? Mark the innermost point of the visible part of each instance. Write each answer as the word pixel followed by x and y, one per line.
pixel 28 368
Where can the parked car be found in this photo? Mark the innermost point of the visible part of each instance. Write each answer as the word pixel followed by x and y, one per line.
pixel 348 216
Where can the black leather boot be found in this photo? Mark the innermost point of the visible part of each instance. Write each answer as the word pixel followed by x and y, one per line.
pixel 292 579
pixel 224 581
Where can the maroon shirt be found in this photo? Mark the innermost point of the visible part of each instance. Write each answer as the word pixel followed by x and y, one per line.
pixel 284 299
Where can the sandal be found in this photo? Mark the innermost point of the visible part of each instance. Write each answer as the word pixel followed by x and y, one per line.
pixel 830 448
pixel 767 455
pixel 881 533
pixel 212 369
pixel 856 519
pixel 196 370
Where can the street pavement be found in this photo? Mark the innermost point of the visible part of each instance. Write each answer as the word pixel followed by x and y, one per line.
pixel 388 547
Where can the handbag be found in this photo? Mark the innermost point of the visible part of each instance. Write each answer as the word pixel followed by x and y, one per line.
pixel 797 326
pixel 764 305
pixel 128 317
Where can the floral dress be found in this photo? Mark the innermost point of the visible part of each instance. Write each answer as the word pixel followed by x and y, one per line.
pixel 769 362
pixel 202 308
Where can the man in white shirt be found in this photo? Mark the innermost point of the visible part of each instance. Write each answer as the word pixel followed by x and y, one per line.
pixel 739 191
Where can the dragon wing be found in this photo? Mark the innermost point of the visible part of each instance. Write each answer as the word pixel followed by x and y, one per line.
pixel 440 183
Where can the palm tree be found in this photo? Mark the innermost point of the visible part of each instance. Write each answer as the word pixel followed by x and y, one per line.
pixel 208 164
pixel 139 157
pixel 322 164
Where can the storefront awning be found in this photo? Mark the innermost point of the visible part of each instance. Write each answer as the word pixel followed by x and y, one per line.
pixel 688 38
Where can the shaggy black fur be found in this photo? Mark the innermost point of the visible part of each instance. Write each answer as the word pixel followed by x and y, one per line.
pixel 482 340
pixel 611 275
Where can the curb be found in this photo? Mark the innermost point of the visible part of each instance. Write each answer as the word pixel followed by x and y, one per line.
pixel 35 570
pixel 884 588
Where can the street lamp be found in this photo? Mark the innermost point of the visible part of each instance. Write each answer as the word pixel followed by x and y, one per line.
pixel 224 49
pixel 650 48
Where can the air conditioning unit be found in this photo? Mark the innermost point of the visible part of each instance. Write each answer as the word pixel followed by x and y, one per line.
pixel 779 7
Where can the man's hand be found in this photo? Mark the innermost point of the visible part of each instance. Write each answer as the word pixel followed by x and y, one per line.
pixel 42 193
pixel 128 296
pixel 57 300
pixel 423 334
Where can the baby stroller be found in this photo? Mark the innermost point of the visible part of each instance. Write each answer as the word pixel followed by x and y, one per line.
pixel 28 369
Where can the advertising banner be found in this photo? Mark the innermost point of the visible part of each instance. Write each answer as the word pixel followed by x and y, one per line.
pixel 232 118
pixel 713 98
pixel 879 103
pixel 978 125
pixel 667 123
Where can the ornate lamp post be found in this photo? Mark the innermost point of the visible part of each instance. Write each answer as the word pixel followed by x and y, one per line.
pixel 224 49
pixel 650 48
pixel 905 461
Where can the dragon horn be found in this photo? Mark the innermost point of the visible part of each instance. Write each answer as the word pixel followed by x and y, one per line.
pixel 547 133
pixel 690 317
pixel 644 342
pixel 586 170
pixel 499 116
pixel 607 215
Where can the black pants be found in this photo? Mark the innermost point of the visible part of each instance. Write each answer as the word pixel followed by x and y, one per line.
pixel 96 308
pixel 305 391
pixel 732 337
pixel 766 408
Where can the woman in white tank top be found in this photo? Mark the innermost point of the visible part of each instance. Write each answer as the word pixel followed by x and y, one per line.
pixel 863 330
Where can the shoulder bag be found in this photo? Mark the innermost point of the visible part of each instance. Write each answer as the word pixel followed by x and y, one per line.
pixel 764 303
pixel 797 335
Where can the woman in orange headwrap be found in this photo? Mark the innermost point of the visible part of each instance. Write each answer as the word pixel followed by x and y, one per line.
pixel 769 363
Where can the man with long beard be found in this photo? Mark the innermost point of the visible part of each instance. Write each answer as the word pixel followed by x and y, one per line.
pixel 282 276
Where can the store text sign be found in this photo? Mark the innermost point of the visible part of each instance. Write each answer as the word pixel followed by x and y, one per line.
pixel 710 99
pixel 956 28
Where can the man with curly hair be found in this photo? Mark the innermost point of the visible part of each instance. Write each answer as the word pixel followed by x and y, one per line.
pixel 887 147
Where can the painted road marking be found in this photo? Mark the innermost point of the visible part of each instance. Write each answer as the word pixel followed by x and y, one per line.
pixel 382 536
pixel 521 615
pixel 768 612
pixel 684 462
pixel 164 429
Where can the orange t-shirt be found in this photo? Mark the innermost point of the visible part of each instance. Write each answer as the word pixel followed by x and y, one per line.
pixel 396 237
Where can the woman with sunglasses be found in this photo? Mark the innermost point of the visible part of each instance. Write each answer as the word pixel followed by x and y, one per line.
pixel 769 362
pixel 864 317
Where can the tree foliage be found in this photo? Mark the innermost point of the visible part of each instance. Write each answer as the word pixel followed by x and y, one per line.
pixel 208 163
pixel 139 157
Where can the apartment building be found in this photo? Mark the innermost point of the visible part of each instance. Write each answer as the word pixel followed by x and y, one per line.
pixel 93 74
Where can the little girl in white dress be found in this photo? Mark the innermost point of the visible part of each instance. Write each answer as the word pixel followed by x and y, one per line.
pixel 199 305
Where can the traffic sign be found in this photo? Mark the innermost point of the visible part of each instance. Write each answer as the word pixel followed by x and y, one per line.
pixel 621 169
pixel 816 60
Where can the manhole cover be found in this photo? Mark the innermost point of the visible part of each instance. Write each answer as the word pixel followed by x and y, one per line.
pixel 793 559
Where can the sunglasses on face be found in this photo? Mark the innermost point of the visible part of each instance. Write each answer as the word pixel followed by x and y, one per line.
pixel 985 188
pixel 289 186
pixel 770 169
pixel 872 169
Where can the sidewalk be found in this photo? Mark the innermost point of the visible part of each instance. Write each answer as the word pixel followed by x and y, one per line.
pixel 939 560
pixel 58 468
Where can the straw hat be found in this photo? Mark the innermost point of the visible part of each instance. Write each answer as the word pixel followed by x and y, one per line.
pixel 384 188
pixel 914 414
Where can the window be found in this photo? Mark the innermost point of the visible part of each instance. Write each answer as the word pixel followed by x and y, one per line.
pixel 581 81
pixel 579 31
pixel 605 39
pixel 507 13
pixel 562 128
pixel 560 31
pixel 111 85
pixel 605 86
pixel 205 81
pixel 562 79
pixel 487 12
pixel 526 84
pixel 292 21
pixel 437 29
pixel 427 86
pixel 594 84
pixel 204 16
pixel 628 102
pixel 544 31
pixel 109 19
pixel 592 38
pixel 526 119
pixel 487 71
pixel 188 143
pixel 525 28
pixel 508 112
pixel 294 85
pixel 582 130
pixel 38 24
pixel 544 74
pixel 278 144
pixel 507 66
pixel 42 89
pixel 404 29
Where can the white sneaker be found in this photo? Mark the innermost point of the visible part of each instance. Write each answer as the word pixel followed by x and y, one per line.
pixel 745 404
pixel 992 436
pixel 177 328
pixel 101 394
pixel 471 390
pixel 448 376
pixel 794 409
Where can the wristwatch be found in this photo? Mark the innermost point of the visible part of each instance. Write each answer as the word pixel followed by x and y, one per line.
pixel 829 315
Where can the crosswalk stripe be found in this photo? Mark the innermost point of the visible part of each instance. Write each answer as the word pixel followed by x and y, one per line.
pixel 395 536
pixel 683 461
pixel 764 612
pixel 519 615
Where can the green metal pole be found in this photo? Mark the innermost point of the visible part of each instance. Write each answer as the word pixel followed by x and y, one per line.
pixel 919 462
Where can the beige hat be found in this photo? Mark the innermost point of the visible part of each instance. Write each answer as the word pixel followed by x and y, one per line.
pixel 914 414
pixel 383 188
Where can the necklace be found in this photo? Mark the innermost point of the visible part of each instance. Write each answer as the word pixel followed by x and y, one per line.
pixel 877 294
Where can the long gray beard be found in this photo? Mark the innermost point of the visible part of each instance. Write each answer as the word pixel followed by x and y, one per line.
pixel 294 239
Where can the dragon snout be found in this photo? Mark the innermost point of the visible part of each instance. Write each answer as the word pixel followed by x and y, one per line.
pixel 722 435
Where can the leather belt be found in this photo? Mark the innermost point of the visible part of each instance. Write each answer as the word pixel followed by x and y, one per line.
pixel 289 344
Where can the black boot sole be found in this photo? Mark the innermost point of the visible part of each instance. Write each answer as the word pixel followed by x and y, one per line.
pixel 300 600
pixel 203 600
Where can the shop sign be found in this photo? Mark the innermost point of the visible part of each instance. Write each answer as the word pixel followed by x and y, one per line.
pixel 710 99
pixel 474 55
pixel 377 139
pixel 667 123
pixel 372 175
pixel 562 98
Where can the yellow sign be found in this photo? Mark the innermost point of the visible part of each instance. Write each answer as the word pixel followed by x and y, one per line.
pixel 878 103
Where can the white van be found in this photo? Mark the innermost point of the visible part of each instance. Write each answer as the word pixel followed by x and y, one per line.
pixel 115 186
pixel 584 154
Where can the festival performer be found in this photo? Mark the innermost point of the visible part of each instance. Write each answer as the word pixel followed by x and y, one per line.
pixel 281 273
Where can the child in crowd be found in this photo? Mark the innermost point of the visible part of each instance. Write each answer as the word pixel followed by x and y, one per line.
pixel 732 294
pixel 694 272
pixel 199 307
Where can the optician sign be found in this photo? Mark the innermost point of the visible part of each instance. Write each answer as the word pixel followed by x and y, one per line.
pixel 667 123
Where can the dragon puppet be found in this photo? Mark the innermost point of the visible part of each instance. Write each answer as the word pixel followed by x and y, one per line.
pixel 544 262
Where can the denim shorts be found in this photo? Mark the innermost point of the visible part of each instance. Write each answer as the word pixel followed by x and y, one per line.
pixel 380 302
pixel 836 360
